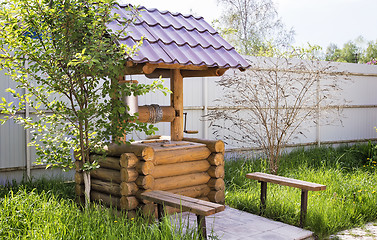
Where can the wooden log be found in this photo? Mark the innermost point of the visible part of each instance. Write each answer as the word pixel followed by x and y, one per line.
pixel 176 101
pixel 181 155
pixel 217 196
pixel 131 214
pixel 106 187
pixel 194 191
pixel 216 159
pixel 79 178
pixel 77 155
pixel 128 174
pixel 128 160
pixel 128 203
pixel 213 145
pixel 138 195
pixel 145 182
pixel 140 150
pixel 168 114
pixel 79 189
pixel 145 167
pixel 106 162
pixel 80 200
pixel 169 183
pixel 78 166
pixel 175 169
pixel 120 213
pixel 105 199
pixel 216 171
pixel 204 198
pixel 105 174
pixel 216 184
pixel 149 209
pixel 128 188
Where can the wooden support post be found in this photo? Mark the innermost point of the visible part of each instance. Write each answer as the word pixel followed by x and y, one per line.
pixel 160 211
pixel 263 197
pixel 304 206
pixel 202 226
pixel 176 99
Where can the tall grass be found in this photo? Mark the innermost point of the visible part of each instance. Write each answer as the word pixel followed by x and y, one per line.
pixel 37 213
pixel 349 200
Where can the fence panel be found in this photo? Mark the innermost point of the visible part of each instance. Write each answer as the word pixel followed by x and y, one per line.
pixel 357 124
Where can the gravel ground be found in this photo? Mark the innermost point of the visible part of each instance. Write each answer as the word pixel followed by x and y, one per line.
pixel 367 232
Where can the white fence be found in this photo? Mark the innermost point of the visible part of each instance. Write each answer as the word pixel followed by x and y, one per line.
pixel 360 117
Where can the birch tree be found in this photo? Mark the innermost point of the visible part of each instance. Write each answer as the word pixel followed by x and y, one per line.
pixel 64 59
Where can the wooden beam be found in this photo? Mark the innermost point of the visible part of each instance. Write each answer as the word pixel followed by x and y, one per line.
pixel 179 66
pixel 210 72
pixel 176 100
pixel 149 68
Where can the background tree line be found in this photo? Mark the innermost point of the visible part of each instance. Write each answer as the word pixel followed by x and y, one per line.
pixel 254 28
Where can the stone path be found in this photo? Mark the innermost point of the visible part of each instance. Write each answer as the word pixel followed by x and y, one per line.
pixel 367 232
pixel 233 224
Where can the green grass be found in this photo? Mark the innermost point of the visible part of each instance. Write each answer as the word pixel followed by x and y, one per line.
pixel 350 198
pixel 45 209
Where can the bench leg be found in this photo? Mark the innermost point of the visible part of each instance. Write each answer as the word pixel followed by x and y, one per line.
pixel 304 206
pixel 160 212
pixel 202 228
pixel 263 197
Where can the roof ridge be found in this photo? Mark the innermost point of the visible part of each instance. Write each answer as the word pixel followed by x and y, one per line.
pixel 172 13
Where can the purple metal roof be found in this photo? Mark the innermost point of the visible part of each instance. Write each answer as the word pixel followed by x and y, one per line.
pixel 174 38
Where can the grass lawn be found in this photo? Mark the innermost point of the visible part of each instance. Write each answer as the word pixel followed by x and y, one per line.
pixel 348 172
pixel 45 209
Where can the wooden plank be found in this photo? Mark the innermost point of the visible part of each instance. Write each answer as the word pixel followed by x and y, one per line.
pixel 216 206
pixel 161 198
pixel 179 204
pixel 264 177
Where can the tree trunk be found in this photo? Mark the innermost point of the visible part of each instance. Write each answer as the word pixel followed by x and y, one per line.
pixel 86 176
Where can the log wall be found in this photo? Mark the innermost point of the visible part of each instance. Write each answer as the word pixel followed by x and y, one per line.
pixel 193 168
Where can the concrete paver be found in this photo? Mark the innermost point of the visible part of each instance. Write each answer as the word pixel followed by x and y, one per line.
pixel 233 224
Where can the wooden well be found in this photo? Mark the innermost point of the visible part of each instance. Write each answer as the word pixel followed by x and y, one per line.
pixel 193 168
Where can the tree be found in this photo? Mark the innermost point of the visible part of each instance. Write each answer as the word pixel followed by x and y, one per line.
pixel 251 24
pixel 269 102
pixel 370 52
pixel 349 53
pixel 63 56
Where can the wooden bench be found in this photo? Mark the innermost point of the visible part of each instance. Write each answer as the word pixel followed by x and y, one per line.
pixel 264 178
pixel 199 207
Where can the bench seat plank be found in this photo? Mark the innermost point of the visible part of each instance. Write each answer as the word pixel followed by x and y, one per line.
pixel 161 198
pixel 264 177
pixel 217 207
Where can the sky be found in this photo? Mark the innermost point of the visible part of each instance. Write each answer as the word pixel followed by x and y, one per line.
pixel 318 22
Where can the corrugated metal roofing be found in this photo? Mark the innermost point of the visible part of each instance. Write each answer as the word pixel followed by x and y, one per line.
pixel 174 38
